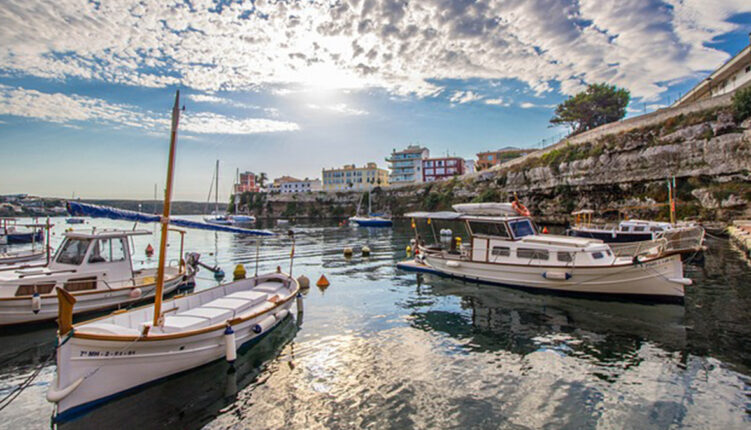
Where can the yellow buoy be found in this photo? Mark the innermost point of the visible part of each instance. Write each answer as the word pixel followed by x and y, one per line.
pixel 239 272
pixel 409 251
pixel 365 251
pixel 347 252
pixel 322 282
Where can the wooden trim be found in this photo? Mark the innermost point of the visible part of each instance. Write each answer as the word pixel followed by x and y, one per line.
pixel 98 291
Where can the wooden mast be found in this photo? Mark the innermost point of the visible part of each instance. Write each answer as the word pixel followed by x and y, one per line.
pixel 166 212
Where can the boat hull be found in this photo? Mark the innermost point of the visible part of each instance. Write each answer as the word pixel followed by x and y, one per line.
pixel 18 310
pixel 21 257
pixel 659 279
pixel 371 222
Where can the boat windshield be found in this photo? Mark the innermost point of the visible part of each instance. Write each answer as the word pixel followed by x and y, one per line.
pixel 521 228
pixel 72 251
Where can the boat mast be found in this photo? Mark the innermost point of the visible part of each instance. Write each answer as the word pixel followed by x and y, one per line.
pixel 216 190
pixel 370 189
pixel 166 212
pixel 237 182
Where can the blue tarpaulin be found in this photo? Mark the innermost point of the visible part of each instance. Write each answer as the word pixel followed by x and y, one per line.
pixel 96 211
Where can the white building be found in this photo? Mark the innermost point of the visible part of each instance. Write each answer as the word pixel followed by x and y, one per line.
pixel 406 165
pixel 300 186
pixel 469 166
pixel 731 76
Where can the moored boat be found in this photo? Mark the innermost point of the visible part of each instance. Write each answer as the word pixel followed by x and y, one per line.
pixel 93 266
pixel 508 250
pixel 626 231
pixel 371 219
pixel 12 233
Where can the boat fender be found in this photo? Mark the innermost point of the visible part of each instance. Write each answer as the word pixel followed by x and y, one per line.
pixel 453 264
pixel 281 314
pixel 239 272
pixel 264 324
pixel 135 293
pixel 36 303
pixel 409 251
pixel 219 275
pixel 299 303
pixel 230 344
pixel 54 394
pixel 558 276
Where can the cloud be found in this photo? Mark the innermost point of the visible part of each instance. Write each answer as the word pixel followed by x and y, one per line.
pixel 497 102
pixel 69 110
pixel 407 48
pixel 462 97
pixel 528 105
pixel 340 108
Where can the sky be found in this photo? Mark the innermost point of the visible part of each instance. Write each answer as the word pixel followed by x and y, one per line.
pixel 291 87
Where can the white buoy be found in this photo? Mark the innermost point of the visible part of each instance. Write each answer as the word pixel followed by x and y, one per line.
pixel 299 303
pixel 365 251
pixel 135 293
pixel 303 281
pixel 36 303
pixel 230 344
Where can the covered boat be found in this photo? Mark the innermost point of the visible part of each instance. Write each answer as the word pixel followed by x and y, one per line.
pixel 100 359
pixel 11 232
pixel 508 250
pixel 95 267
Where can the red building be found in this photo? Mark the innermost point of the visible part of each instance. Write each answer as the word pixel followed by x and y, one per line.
pixel 247 183
pixel 435 169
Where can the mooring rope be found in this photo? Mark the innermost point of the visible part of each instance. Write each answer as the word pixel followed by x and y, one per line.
pixel 13 395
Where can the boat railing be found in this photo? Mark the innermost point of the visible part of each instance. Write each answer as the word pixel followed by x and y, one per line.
pixel 689 239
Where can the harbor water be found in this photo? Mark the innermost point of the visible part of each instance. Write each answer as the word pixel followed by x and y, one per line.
pixel 380 348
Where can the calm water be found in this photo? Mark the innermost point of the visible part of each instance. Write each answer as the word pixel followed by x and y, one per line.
pixel 384 349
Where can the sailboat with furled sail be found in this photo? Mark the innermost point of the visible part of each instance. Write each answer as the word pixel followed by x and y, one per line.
pixel 102 358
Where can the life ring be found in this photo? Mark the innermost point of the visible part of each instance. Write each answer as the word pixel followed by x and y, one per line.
pixel 520 209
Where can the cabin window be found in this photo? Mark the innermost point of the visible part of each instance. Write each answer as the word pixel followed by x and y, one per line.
pixel 597 255
pixel 81 284
pixel 73 251
pixel 639 228
pixel 625 228
pixel 566 257
pixel 532 254
pixel 488 229
pixel 521 228
pixel 107 251
pixel 501 251
pixel 27 290
pixel 655 229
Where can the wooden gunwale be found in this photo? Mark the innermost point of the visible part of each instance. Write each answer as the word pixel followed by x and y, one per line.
pixel 170 336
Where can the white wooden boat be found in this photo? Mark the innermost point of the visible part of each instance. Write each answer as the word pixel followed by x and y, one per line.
pixel 103 358
pixel 94 266
pixel 508 250
pixel 628 231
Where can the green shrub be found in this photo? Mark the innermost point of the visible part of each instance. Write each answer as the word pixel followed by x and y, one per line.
pixel 742 104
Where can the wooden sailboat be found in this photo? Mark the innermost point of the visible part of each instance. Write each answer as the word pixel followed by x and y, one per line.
pixel 100 359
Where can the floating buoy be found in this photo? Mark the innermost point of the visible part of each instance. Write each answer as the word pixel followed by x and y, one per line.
pixel 135 293
pixel 365 251
pixel 230 344
pixel 149 250
pixel 409 251
pixel 36 303
pixel 303 281
pixel 239 272
pixel 545 230
pixel 219 274
pixel 347 252
pixel 322 282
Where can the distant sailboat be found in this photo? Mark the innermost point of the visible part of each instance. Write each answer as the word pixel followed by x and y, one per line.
pixel 217 217
pixel 372 219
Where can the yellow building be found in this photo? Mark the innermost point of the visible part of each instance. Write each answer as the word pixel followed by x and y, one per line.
pixel 351 178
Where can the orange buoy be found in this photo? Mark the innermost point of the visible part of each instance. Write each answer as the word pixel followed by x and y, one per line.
pixel 545 230
pixel 149 250
pixel 322 282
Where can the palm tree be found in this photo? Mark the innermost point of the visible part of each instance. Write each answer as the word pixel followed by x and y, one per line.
pixel 261 179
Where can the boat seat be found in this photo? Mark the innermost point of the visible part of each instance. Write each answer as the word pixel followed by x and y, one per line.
pixel 236 305
pixel 269 287
pixel 253 297
pixel 178 323
pixel 106 328
pixel 213 315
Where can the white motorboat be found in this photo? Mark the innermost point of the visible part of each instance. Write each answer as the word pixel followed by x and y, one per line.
pixel 99 359
pixel 28 256
pixel 508 250
pixel 93 266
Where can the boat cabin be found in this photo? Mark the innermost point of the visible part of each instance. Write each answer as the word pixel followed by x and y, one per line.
pixel 513 240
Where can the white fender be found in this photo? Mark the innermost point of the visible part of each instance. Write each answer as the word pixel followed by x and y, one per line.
pixel 556 275
pixel 682 281
pixel 54 394
pixel 264 324
pixel 230 344
pixel 453 264
pixel 281 314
